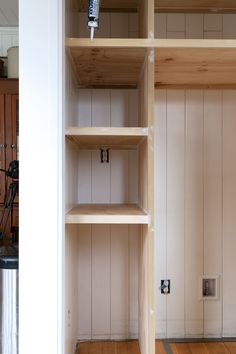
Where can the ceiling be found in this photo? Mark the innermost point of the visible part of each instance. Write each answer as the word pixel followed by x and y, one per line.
pixel 8 13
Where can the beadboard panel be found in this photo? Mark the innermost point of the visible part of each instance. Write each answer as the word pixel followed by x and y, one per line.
pixel 8 38
pixel 107 281
pixel 117 25
pixel 207 132
pixel 195 26
pixel 213 206
pixel 229 221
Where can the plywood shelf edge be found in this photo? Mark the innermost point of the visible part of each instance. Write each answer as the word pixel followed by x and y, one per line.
pixel 100 137
pixel 107 214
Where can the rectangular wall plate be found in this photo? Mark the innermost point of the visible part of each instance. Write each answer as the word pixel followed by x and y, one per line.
pixel 209 287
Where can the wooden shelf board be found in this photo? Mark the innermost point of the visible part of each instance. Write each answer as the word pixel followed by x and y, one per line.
pixel 196 63
pixel 196 6
pixel 106 214
pixel 107 63
pixel 187 6
pixel 109 5
pixel 114 138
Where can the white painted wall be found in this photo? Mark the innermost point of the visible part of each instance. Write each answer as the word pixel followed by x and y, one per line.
pixel 41 177
pixel 194 200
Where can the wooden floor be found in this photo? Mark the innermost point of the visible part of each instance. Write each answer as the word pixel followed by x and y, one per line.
pixel 111 347
pixel 203 348
pixel 132 347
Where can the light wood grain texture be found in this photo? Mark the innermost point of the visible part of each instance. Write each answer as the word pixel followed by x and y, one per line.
pixel 198 348
pixel 114 138
pixel 159 347
pixel 180 348
pixel 195 67
pixel 201 6
pixel 231 347
pixel 146 151
pixel 179 63
pixel 216 348
pixel 107 214
pixel 109 5
pixel 103 67
pixel 104 347
pixel 228 6
pixel 146 18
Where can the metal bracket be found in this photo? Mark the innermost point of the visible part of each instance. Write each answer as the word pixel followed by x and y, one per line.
pixel 105 155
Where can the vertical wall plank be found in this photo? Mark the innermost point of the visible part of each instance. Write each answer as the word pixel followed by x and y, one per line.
pixel 133 178
pixel 119 176
pixel 119 281
pixel 119 108
pixel 193 212
pixel 119 25
pixel 133 111
pixel 229 207
pixel 175 211
pixel 84 176
pixel 84 281
pixel 100 179
pixel 133 25
pixel 229 30
pixel 213 26
pixel 134 256
pixel 213 206
pixel 160 207
pixel 101 108
pixel 71 287
pixel 176 26
pixel 160 25
pixel 84 108
pixel 101 301
pixel 194 26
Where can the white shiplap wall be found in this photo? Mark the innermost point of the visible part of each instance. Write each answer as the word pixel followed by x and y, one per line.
pixel 8 38
pixel 194 200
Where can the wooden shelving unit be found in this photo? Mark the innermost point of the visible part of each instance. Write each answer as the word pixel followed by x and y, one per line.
pixel 101 137
pixel 121 63
pixel 107 214
pixel 195 63
pixel 144 63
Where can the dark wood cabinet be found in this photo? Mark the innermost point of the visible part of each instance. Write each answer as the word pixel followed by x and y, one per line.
pixel 9 132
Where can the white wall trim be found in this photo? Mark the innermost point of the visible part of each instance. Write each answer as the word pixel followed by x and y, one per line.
pixel 41 177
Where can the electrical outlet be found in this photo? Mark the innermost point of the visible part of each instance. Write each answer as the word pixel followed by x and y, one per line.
pixel 165 286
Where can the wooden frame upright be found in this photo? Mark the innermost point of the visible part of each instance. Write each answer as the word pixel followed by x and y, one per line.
pixel 146 188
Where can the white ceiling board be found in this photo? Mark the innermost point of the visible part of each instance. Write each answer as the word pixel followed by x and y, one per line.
pixel 9 13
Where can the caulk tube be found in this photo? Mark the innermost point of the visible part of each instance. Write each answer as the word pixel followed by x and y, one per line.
pixel 93 16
